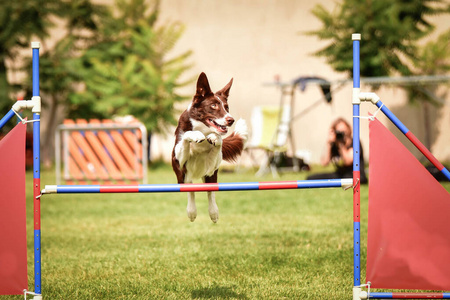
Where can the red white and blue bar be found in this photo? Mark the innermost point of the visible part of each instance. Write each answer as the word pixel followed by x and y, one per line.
pixel 198 187
pixel 408 296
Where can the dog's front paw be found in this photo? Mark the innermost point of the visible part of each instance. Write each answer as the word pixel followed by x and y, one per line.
pixel 214 139
pixel 214 213
pixel 194 136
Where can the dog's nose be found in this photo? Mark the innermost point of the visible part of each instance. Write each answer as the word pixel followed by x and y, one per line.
pixel 229 120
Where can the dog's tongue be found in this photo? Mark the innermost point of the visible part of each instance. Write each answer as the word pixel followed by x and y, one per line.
pixel 220 128
pixel 223 129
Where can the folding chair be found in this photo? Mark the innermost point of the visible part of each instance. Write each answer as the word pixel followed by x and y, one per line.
pixel 270 132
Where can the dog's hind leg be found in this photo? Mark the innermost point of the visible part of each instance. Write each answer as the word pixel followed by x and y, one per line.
pixel 212 205
pixel 191 207
pixel 213 209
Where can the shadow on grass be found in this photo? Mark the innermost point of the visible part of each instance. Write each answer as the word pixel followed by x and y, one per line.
pixel 217 292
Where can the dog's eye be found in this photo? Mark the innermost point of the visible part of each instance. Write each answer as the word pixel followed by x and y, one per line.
pixel 214 106
pixel 226 107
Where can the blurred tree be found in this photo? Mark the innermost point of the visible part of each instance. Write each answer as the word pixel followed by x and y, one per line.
pixel 390 29
pixel 80 20
pixel 127 71
pixel 433 59
pixel 105 65
pixel 19 21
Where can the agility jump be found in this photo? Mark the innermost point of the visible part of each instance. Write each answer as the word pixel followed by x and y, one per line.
pixel 354 183
pixel 357 98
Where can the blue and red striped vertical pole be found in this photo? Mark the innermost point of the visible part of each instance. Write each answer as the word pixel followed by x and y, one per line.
pixel 356 38
pixel 36 170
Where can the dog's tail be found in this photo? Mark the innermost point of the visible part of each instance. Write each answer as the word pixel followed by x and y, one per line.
pixel 234 144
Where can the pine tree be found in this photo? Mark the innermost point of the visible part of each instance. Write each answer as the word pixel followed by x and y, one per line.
pixel 128 70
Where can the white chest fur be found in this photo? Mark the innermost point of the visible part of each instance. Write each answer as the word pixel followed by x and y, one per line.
pixel 200 154
pixel 204 159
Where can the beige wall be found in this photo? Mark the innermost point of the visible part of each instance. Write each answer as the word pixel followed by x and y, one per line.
pixel 255 40
pixel 252 41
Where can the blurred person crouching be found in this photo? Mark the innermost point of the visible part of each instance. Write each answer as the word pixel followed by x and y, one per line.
pixel 339 152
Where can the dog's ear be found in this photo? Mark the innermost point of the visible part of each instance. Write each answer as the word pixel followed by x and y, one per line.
pixel 226 90
pixel 203 88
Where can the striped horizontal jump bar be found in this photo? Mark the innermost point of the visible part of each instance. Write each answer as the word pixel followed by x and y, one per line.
pixel 197 187
pixel 413 139
pixel 409 296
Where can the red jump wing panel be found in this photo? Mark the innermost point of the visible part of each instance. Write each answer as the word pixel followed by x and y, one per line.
pixel 409 214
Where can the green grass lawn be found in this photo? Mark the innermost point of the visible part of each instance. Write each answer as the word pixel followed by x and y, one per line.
pixel 285 244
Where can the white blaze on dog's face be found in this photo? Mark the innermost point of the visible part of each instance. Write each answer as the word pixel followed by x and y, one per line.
pixel 208 111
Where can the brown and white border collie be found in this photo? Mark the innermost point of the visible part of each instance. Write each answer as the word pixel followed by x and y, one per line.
pixel 199 147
